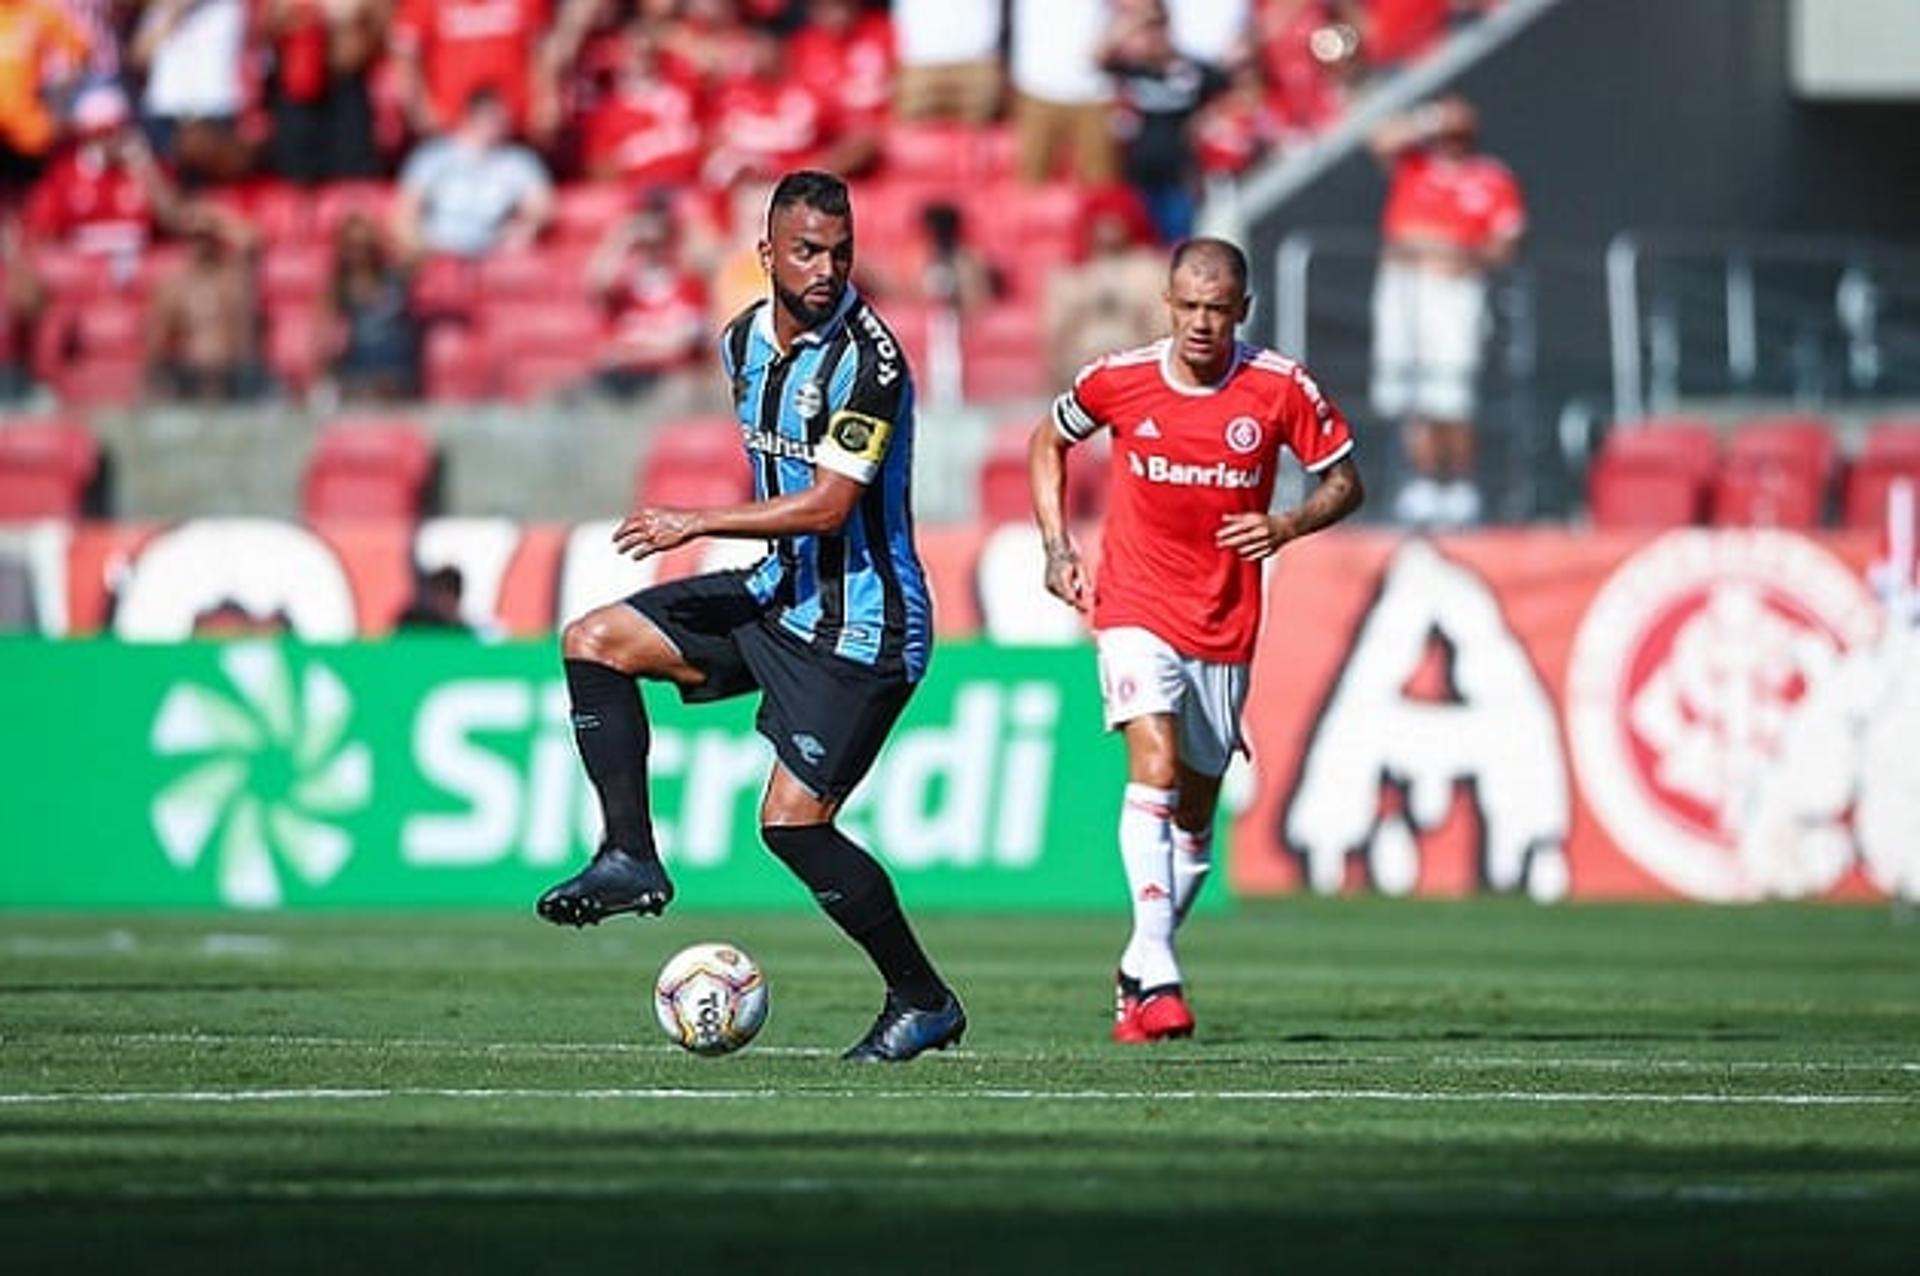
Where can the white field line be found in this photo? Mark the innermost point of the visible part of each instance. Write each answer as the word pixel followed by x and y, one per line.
pixel 451 1045
pixel 328 1094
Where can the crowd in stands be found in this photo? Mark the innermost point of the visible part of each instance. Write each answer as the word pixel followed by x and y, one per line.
pixel 223 199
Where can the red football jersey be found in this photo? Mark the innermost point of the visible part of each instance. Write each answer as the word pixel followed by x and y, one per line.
pixel 466 45
pixel 647 135
pixel 1468 202
pixel 1183 459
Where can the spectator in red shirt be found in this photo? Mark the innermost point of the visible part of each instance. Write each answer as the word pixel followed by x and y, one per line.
pixel 656 306
pixel 1453 217
pixel 1309 55
pixel 768 121
pixel 448 49
pixel 703 42
pixel 645 129
pixel 1235 129
pixel 105 193
pixel 322 113
pixel 845 56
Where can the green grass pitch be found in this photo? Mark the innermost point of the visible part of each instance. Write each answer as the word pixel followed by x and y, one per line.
pixel 1376 1086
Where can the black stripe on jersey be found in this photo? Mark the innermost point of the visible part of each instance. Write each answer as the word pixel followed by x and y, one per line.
pixel 832 547
pixel 773 386
pixel 879 388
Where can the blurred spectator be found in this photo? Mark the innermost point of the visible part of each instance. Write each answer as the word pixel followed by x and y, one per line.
pixel 1063 103
pixel 1112 300
pixel 949 52
pixel 203 321
pixel 447 50
pixel 105 193
pixel 323 51
pixel 22 300
pixel 229 618
pixel 729 251
pixel 1160 90
pixel 846 56
pixel 435 607
pixel 39 47
pixel 645 129
pixel 949 272
pixel 656 306
pixel 703 42
pixel 105 23
pixel 190 53
pixel 473 190
pixel 372 335
pixel 1309 51
pixel 1232 131
pixel 1453 215
pixel 1397 31
pixel 1210 31
pixel 768 121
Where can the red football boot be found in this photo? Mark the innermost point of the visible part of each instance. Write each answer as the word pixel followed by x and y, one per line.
pixel 1126 1011
pixel 1163 1015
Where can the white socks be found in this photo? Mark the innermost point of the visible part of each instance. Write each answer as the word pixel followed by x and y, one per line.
pixel 1192 861
pixel 1146 850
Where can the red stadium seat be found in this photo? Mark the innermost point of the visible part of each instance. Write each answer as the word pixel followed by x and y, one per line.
pixel 582 214
pixel 446 288
pixel 333 203
pixel 1652 475
pixel 457 368
pixel 553 273
pixel 543 327
pixel 293 350
pixel 1776 474
pixel 46 467
pixel 1003 354
pixel 530 376
pixel 1006 493
pixel 694 462
pixel 368 469
pixel 1891 453
pixel 70 276
pixel 295 272
pixel 935 152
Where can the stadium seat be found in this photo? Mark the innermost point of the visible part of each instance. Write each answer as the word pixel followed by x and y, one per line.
pixel 295 272
pixel 582 214
pixel 372 468
pixel 530 376
pixel 935 152
pixel 1891 452
pixel 456 365
pixel 293 353
pixel 1654 474
pixel 1776 474
pixel 93 354
pixel 1006 494
pixel 551 273
pixel 446 288
pixel 697 461
pixel 70 276
pixel 334 202
pixel 1003 354
pixel 47 466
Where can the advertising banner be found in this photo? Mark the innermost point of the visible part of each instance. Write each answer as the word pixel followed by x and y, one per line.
pixel 423 772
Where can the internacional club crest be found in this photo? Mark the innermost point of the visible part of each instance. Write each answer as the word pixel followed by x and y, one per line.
pixel 1243 435
pixel 1685 673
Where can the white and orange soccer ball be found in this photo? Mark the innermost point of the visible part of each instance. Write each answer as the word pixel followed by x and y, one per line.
pixel 711 998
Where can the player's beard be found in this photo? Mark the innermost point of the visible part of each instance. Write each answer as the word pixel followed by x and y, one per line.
pixel 809 315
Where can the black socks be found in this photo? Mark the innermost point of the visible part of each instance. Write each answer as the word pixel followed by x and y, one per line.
pixel 610 728
pixel 857 894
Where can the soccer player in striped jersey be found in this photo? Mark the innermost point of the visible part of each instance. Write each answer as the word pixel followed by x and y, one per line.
pixel 833 627
pixel 1198 421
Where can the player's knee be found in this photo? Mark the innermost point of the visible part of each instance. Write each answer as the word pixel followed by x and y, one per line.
pixel 589 637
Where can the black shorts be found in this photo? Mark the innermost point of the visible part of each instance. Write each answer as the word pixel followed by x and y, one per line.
pixel 826 717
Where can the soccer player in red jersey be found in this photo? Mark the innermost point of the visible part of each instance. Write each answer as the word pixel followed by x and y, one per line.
pixel 1198 421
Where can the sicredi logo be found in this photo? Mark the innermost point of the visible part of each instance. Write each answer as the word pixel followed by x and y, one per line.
pixel 1684 675
pixel 273 768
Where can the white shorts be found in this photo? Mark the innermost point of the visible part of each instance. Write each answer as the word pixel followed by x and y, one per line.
pixel 1141 674
pixel 1428 331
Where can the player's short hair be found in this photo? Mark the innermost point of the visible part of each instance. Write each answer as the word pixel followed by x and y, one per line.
pixel 1208 255
pixel 822 192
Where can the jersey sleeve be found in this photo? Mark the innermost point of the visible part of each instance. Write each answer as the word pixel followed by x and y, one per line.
pixel 1313 426
pixel 1084 410
pixel 865 415
pixel 1508 219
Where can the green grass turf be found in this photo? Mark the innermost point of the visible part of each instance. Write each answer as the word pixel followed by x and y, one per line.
pixel 1480 1086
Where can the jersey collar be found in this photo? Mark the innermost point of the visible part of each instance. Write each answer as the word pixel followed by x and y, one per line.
pixel 1197 391
pixel 819 333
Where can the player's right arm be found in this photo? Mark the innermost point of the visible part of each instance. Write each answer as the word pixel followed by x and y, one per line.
pixel 1071 421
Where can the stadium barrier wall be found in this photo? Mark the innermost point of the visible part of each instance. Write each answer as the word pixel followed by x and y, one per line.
pixel 1713 715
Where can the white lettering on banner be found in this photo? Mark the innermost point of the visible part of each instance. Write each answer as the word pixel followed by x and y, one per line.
pixel 1155 468
pixel 450 758
pixel 264 566
pixel 1497 741
pixel 964 793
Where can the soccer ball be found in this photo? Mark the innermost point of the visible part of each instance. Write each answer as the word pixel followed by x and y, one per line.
pixel 711 998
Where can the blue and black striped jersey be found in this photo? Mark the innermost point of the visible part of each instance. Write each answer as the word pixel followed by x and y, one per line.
pixel 841 398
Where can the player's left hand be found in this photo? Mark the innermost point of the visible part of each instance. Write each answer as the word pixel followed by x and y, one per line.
pixel 649 531
pixel 1253 536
